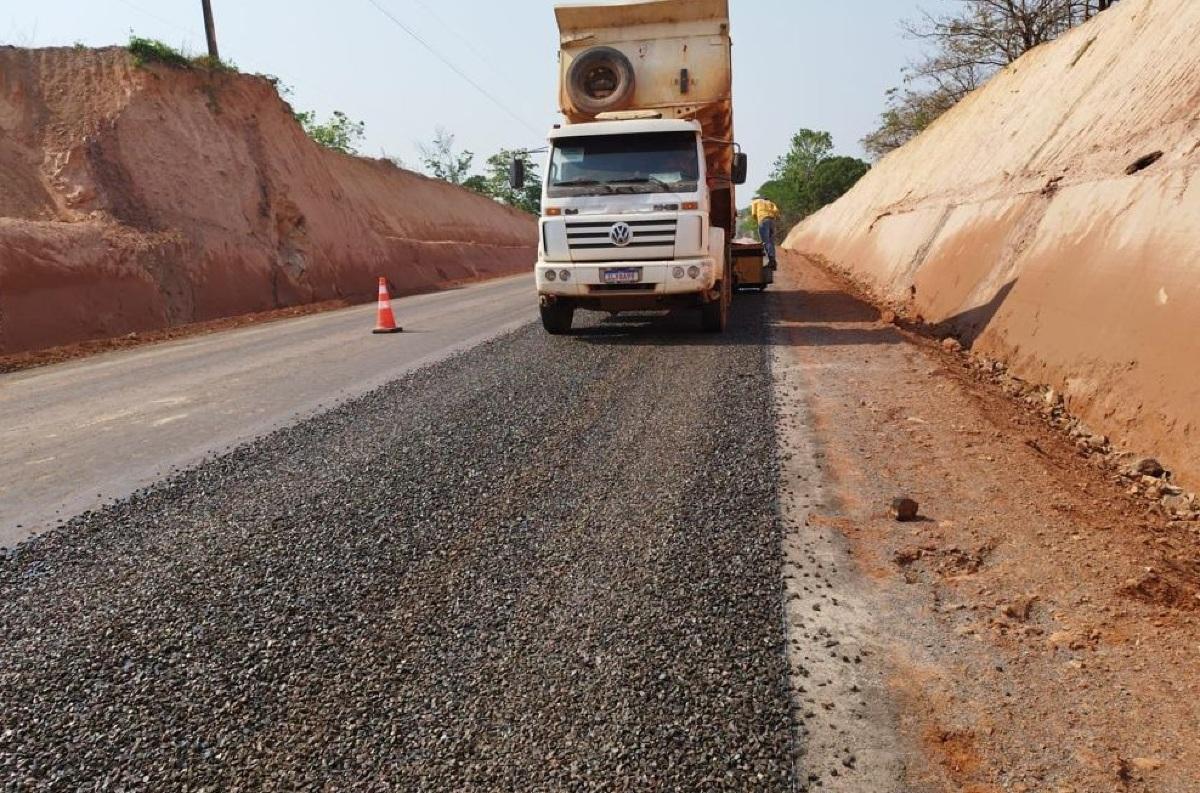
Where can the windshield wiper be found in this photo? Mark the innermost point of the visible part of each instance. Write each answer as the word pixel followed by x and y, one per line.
pixel 645 180
pixel 584 183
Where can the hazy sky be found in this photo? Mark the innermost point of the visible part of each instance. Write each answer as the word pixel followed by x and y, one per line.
pixel 797 63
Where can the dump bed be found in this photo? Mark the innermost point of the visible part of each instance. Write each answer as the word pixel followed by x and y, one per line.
pixel 679 53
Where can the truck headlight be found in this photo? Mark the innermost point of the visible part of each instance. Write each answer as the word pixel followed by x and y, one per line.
pixel 551 275
pixel 677 272
pixel 564 275
pixel 693 272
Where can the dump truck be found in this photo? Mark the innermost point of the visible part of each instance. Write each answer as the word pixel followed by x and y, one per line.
pixel 638 209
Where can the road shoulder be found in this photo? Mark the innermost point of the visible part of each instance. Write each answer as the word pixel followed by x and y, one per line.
pixel 1033 629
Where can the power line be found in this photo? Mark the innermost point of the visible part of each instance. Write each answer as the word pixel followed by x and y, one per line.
pixel 470 45
pixel 153 15
pixel 449 64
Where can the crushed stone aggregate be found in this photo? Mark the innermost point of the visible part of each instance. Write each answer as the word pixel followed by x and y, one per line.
pixel 544 564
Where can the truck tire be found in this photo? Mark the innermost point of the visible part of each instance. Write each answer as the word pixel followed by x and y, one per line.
pixel 599 80
pixel 714 316
pixel 557 318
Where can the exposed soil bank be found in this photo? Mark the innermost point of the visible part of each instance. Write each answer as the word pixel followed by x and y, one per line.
pixel 137 198
pixel 1034 631
pixel 1014 222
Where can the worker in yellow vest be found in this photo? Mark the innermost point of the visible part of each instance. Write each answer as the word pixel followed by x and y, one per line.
pixel 765 214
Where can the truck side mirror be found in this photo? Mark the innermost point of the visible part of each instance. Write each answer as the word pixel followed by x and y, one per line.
pixel 741 164
pixel 516 174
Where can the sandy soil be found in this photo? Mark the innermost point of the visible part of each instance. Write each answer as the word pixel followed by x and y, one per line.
pixel 138 198
pixel 1049 220
pixel 1035 630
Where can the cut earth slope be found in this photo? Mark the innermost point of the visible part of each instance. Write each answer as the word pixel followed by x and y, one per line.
pixel 1049 221
pixel 137 197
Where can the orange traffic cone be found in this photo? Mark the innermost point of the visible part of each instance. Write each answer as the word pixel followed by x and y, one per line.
pixel 386 320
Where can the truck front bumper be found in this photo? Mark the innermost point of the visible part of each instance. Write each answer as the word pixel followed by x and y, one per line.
pixel 656 278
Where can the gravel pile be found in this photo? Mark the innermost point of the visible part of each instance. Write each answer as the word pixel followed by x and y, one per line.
pixel 546 564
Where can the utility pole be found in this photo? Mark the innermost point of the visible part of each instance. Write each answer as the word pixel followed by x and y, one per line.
pixel 210 30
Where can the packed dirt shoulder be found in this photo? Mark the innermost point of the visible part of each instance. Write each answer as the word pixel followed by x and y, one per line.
pixel 1039 620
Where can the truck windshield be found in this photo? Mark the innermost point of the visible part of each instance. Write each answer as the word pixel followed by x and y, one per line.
pixel 652 162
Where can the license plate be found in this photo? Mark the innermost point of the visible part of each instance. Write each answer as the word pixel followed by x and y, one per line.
pixel 622 275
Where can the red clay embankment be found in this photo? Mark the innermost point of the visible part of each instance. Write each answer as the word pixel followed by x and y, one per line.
pixel 1052 220
pixel 141 197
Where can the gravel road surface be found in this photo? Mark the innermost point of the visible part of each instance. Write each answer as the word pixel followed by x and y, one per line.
pixel 543 564
pixel 78 435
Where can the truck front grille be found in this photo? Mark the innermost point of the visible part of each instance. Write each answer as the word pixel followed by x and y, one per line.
pixel 598 235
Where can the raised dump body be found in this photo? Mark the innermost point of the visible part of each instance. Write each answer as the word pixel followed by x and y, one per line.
pixel 681 61
pixel 680 65
pixel 638 202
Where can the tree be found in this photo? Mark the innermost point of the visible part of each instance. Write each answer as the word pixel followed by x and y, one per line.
pixel 968 46
pixel 792 172
pixel 338 133
pixel 808 148
pixel 809 176
pixel 496 183
pixel 908 114
pixel 477 183
pixel 442 162
pixel 832 179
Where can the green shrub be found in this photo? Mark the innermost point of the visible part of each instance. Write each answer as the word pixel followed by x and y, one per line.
pixel 339 133
pixel 214 64
pixel 154 51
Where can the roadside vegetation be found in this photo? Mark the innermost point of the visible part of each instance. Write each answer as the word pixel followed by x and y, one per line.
pixel 146 51
pixel 338 132
pixel 442 161
pixel 808 177
pixel 965 47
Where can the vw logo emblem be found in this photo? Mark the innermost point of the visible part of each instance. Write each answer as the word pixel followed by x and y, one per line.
pixel 620 234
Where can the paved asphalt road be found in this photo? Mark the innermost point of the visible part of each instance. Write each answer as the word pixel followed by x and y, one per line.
pixel 80 434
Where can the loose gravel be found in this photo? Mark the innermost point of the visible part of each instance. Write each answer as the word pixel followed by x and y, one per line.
pixel 545 564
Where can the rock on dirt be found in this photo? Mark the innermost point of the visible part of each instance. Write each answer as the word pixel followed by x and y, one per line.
pixel 1179 504
pixel 904 509
pixel 1148 466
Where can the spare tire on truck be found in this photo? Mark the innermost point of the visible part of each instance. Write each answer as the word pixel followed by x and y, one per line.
pixel 600 80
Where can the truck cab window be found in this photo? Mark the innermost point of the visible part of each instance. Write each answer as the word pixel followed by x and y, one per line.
pixel 655 162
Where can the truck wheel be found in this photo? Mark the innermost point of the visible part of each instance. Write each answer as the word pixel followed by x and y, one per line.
pixel 556 318
pixel 714 316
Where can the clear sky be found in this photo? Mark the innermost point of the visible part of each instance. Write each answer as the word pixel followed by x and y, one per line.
pixel 798 63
